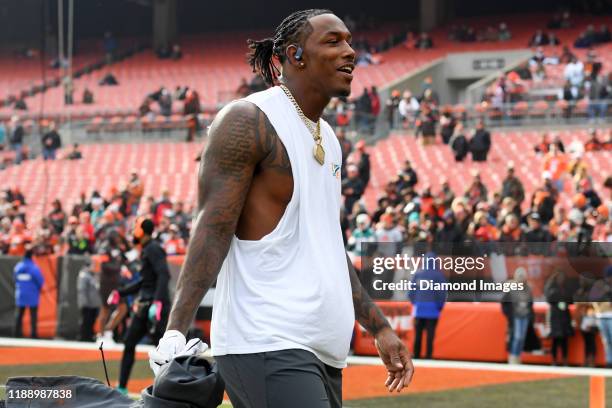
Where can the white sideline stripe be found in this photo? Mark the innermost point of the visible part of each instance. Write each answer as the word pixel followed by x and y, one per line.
pixel 63 344
pixel 352 360
pixel 75 345
pixel 470 365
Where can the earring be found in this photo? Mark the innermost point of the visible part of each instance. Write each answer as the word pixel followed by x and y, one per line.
pixel 301 64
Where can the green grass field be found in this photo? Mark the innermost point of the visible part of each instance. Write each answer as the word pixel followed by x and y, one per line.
pixel 562 393
pixel 559 393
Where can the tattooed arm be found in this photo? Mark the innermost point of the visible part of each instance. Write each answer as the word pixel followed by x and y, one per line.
pixel 391 349
pixel 366 311
pixel 237 142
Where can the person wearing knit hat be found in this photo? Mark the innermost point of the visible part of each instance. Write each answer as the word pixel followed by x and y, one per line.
pixel 390 234
pixel 535 232
pixel 603 211
pixel 363 219
pixel 603 224
pixel 363 233
pixel 579 201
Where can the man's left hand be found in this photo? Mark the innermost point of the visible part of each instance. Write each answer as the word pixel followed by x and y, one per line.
pixel 396 358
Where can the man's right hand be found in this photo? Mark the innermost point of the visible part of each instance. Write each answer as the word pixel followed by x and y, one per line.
pixel 174 344
pixel 396 358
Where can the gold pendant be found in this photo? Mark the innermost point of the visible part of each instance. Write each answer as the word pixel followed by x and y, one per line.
pixel 319 154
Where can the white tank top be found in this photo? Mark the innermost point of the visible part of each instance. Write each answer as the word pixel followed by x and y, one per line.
pixel 291 289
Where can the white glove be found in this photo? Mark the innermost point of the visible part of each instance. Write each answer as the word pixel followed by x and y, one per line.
pixel 174 344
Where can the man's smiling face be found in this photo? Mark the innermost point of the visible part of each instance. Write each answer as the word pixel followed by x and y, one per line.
pixel 328 56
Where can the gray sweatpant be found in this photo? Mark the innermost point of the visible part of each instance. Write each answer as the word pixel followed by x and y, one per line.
pixel 280 379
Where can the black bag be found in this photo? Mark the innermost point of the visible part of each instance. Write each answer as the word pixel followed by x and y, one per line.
pixel 187 382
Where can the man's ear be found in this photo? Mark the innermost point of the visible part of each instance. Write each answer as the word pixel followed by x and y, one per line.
pixel 295 55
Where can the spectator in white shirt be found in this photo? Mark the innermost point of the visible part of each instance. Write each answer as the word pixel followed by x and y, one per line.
pixel 574 72
pixel 408 107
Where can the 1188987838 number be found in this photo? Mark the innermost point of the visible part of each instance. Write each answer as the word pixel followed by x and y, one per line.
pixel 22 394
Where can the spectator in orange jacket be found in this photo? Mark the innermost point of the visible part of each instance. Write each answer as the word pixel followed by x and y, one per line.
pixel 483 230
pixel 511 230
pixel 88 228
pixel 18 238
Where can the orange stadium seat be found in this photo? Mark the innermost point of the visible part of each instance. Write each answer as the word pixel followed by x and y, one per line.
pixel 539 109
pixel 581 108
pixel 95 126
pixel 560 107
pixel 519 110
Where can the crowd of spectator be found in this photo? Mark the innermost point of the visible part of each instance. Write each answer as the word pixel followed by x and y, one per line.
pixel 164 99
pixel 425 115
pixel 582 80
pixel 419 112
pixel 407 212
pixel 13 149
pixel 97 224
pixel 161 102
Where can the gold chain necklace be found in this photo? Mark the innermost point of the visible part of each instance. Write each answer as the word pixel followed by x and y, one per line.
pixel 318 152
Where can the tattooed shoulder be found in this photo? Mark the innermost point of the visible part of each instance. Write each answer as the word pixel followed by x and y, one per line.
pixel 232 143
pixel 276 157
pixel 242 132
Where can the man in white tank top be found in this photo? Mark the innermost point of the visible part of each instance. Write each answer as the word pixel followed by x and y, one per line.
pixel 268 230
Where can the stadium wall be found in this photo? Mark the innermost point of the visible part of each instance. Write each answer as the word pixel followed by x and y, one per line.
pixel 466 331
pixel 474 332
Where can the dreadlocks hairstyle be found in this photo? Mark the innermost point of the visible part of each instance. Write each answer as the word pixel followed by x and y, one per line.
pixel 262 52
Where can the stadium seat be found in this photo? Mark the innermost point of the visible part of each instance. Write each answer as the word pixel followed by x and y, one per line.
pixel 581 108
pixel 539 109
pixel 519 110
pixel 95 126
pixel 561 107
